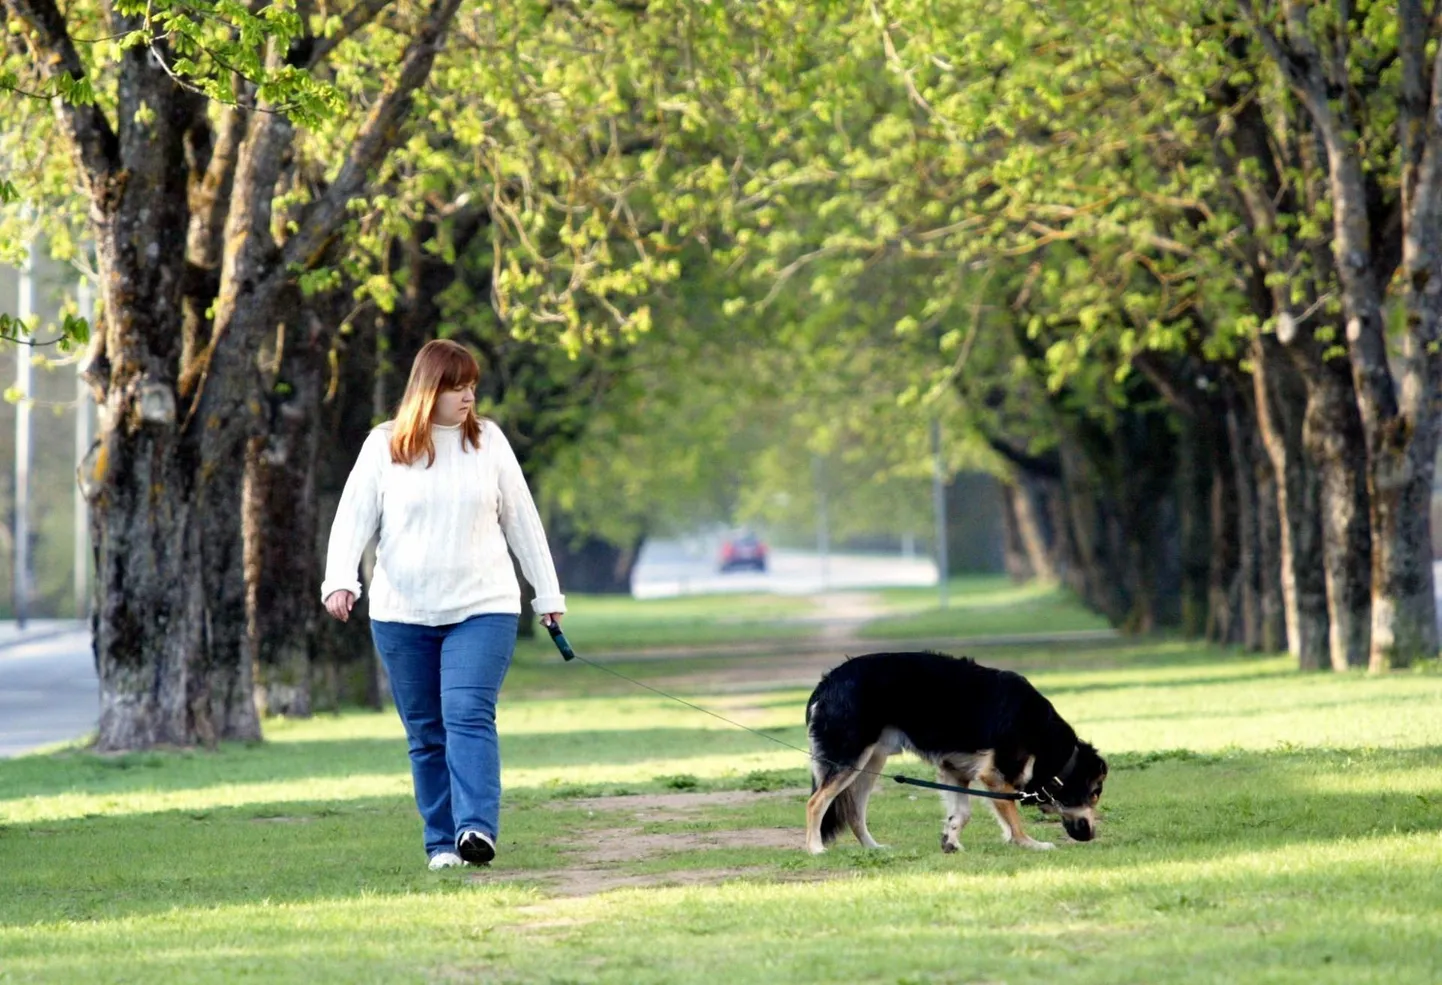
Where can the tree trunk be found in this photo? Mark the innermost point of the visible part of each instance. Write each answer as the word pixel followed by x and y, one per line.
pixel 1269 527
pixel 1194 483
pixel 1399 416
pixel 345 665
pixel 1404 626
pixel 1098 572
pixel 1015 557
pixel 1224 595
pixel 1404 611
pixel 1147 528
pixel 283 582
pixel 227 645
pixel 1280 393
pixel 149 621
pixel 1028 522
pixel 1332 435
pixel 591 564
pixel 166 476
pixel 1248 527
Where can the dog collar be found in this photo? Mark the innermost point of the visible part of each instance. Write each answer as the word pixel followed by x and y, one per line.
pixel 1070 765
pixel 1041 795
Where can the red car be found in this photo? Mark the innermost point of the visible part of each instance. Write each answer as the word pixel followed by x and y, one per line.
pixel 743 550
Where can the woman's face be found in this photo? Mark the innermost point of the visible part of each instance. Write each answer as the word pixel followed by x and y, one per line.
pixel 453 406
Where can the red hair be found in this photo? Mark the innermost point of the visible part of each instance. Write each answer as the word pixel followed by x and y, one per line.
pixel 440 365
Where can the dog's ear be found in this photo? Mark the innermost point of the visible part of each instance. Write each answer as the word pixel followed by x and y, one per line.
pixel 1091 751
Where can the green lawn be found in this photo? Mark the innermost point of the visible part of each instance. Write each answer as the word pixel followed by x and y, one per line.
pixel 981 606
pixel 617 622
pixel 978 605
pixel 1259 826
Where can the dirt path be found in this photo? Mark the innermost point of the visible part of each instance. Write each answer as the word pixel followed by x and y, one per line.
pixel 602 858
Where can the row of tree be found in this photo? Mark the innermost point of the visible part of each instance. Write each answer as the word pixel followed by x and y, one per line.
pixel 1171 270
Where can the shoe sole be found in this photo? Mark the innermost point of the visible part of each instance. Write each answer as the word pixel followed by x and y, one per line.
pixel 476 851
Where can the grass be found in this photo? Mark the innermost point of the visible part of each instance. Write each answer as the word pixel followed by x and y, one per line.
pixel 610 622
pixel 981 606
pixel 1259 826
pixel 978 605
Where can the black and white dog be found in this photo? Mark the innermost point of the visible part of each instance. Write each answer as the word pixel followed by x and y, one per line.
pixel 975 724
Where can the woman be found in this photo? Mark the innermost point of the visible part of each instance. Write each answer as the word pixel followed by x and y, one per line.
pixel 447 495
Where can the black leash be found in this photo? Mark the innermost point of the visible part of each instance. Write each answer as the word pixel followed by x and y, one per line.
pixel 568 654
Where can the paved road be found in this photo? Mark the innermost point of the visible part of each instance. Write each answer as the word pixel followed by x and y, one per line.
pixel 48 690
pixel 668 568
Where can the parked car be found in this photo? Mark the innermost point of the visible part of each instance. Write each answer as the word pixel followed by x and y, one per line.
pixel 743 550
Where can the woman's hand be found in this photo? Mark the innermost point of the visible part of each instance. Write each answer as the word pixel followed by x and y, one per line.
pixel 339 604
pixel 551 619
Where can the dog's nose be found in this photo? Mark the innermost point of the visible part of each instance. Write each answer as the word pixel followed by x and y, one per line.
pixel 1079 829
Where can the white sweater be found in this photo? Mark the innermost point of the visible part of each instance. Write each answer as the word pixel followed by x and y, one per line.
pixel 443 532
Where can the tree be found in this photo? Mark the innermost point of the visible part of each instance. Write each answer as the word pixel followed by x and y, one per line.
pixel 182 133
pixel 1331 58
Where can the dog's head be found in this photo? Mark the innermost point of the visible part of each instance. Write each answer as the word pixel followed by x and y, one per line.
pixel 1075 799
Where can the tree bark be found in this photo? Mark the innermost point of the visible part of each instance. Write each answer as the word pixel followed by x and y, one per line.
pixel 227 652
pixel 283 582
pixel 149 621
pixel 1280 393
pixel 1028 522
pixel 1269 527
pixel 1224 588
pixel 346 667
pixel 1098 572
pixel 1015 558
pixel 1398 410
pixel 1332 437
pixel 591 564
pixel 166 476
pixel 1248 526
pixel 1194 485
pixel 150 627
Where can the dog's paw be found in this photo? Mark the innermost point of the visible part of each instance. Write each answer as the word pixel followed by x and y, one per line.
pixel 816 849
pixel 1036 846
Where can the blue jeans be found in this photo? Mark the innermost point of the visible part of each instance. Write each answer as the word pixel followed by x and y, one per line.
pixel 445 680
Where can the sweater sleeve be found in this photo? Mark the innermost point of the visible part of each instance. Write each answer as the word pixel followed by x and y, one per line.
pixel 522 526
pixel 356 519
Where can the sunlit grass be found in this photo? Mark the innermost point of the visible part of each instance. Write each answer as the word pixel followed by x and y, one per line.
pixel 979 605
pixel 1259 826
pixel 982 606
pixel 618 622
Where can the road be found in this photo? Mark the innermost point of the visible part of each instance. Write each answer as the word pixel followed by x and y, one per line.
pixel 668 568
pixel 48 689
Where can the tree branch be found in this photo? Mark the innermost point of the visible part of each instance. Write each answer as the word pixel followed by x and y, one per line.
pixel 1046 468
pixel 97 147
pixel 1412 36
pixel 1298 59
pixel 374 139
pixel 354 20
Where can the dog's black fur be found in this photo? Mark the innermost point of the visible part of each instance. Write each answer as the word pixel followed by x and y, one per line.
pixel 975 724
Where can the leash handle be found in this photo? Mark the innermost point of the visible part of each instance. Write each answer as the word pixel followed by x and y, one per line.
pixel 562 644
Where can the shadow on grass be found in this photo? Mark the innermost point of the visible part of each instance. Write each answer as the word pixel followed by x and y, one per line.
pixel 271 762
pixel 295 759
pixel 1158 809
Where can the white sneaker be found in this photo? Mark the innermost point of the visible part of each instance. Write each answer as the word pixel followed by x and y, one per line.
pixel 476 847
pixel 444 860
